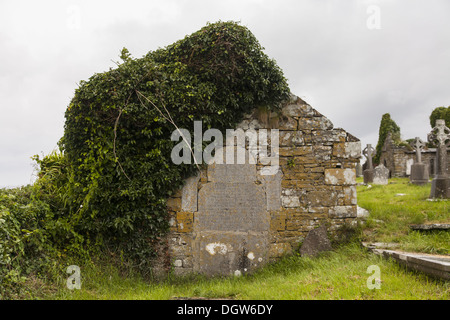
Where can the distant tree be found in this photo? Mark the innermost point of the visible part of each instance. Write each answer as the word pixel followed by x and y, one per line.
pixel 387 125
pixel 440 113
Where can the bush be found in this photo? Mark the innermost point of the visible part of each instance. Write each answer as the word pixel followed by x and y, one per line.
pixel 119 123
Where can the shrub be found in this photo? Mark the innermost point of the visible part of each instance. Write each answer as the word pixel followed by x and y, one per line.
pixel 119 123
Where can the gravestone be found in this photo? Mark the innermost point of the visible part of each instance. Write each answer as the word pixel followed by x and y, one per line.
pixel 315 242
pixel 232 222
pixel 368 152
pixel 359 172
pixel 381 175
pixel 409 164
pixel 440 135
pixel 419 170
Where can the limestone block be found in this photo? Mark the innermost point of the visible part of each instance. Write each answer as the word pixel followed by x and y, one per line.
pixel 185 221
pixel 277 250
pixel 189 194
pixel 298 110
pixel 287 123
pixel 347 150
pixel 343 212
pixel 278 222
pixel 174 204
pixel 328 136
pixel 322 198
pixel 291 138
pixel 350 196
pixel 315 123
pixel 322 153
pixel 337 176
pixel 290 201
pixel 295 151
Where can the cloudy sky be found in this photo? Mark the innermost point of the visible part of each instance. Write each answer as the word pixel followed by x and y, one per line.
pixel 351 60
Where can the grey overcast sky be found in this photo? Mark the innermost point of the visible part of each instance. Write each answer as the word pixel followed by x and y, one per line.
pixel 353 61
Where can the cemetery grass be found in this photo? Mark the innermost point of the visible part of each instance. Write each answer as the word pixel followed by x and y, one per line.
pixel 396 206
pixel 340 274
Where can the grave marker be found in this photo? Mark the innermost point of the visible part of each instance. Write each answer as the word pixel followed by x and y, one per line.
pixel 368 173
pixel 440 186
pixel 419 170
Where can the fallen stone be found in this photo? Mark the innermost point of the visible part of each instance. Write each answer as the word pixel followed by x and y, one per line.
pixel 316 242
pixel 362 213
pixel 436 266
pixel 431 226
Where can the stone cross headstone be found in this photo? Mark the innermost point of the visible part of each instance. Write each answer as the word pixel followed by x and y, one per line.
pixel 381 175
pixel 419 171
pixel 368 152
pixel 440 135
pixel 418 145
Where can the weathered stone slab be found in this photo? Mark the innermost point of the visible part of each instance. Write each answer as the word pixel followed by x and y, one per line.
pixel 229 253
pixel 316 242
pixel 232 206
pixel 381 175
pixel 431 226
pixel 189 194
pixel 433 265
pixel 273 190
pixel 419 174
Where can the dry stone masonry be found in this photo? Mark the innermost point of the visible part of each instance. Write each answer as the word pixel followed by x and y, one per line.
pixel 233 218
pixel 399 159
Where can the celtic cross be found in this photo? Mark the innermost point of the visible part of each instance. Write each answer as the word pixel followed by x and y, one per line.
pixel 368 153
pixel 418 145
pixel 440 135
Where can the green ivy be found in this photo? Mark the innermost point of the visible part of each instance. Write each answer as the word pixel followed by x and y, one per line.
pixel 387 125
pixel 118 127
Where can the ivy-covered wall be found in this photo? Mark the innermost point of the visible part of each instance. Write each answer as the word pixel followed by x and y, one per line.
pixel 315 184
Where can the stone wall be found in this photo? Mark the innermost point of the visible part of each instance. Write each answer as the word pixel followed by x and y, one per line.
pixel 233 218
pixel 398 159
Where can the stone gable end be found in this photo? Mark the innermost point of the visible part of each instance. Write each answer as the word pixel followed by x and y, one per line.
pixel 233 218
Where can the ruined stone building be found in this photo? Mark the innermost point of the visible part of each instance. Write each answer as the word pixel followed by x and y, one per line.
pixel 233 218
pixel 398 159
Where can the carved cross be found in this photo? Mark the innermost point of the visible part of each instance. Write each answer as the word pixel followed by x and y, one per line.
pixel 440 135
pixel 418 145
pixel 368 153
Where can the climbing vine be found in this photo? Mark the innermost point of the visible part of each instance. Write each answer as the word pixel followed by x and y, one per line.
pixel 117 142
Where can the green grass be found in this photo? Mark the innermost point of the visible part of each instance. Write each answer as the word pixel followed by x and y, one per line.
pixel 340 274
pixel 391 215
